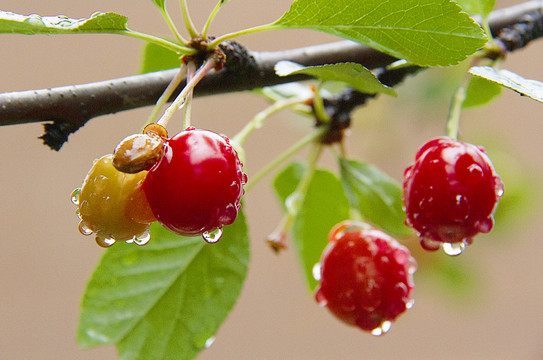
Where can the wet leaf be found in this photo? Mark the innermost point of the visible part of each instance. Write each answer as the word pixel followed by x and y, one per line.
pixel 375 195
pixel 165 299
pixel 510 80
pixel 354 75
pixel 424 32
pixel 324 206
pixel 98 22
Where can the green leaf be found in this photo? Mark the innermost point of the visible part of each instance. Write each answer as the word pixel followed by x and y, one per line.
pixel 375 195
pixel 424 32
pixel 166 299
pixel 156 58
pixel 34 24
pixel 480 91
pixel 355 75
pixel 481 7
pixel 510 80
pixel 324 206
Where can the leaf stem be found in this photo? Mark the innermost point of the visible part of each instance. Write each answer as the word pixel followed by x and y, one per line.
pixel 187 20
pixel 258 121
pixel 167 93
pixel 180 49
pixel 248 31
pixel 180 100
pixel 312 137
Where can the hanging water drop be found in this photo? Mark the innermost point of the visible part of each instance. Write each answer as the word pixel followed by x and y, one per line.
pixel 454 249
pixel 103 242
pixel 143 239
pixel 209 342
pixel 382 329
pixel 429 244
pixel 320 298
pixel 410 304
pixel 84 228
pixel 316 271
pixel 212 236
pixel 74 196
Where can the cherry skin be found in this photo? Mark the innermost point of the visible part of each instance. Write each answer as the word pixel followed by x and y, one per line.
pixel 197 185
pixel 112 205
pixel 450 193
pixel 366 277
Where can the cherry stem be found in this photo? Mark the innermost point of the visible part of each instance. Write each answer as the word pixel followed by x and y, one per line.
pixel 258 121
pixel 455 110
pixel 167 93
pixel 318 105
pixel 191 68
pixel 453 120
pixel 172 26
pixel 180 100
pixel 310 138
pixel 211 17
pixel 293 203
pixel 187 20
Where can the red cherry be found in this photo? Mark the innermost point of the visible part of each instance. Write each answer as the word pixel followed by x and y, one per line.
pixel 366 277
pixel 450 194
pixel 197 185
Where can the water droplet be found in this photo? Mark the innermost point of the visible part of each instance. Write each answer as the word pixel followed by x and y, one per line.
pixel 485 225
pixel 382 329
pixel 74 196
pixel 34 20
pixel 429 244
pixel 460 211
pixel 103 242
pixel 143 239
pixel 409 304
pixel 84 228
pixel 320 298
pixel 212 236
pixel 209 342
pixel 294 202
pixel 500 188
pixel 316 271
pixel 475 174
pixel 454 249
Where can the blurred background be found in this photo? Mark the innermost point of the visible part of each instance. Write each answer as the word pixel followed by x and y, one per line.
pixel 484 304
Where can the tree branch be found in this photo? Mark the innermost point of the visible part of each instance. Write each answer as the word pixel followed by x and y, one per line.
pixel 70 107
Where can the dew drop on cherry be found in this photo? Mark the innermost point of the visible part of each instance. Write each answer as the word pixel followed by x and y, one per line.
pixel 316 271
pixel 320 298
pixel 382 329
pixel 429 244
pixel 104 242
pixel 74 197
pixel 212 236
pixel 409 304
pixel 143 239
pixel 84 229
pixel 454 249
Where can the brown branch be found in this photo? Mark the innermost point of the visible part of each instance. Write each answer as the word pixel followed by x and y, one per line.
pixel 70 107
